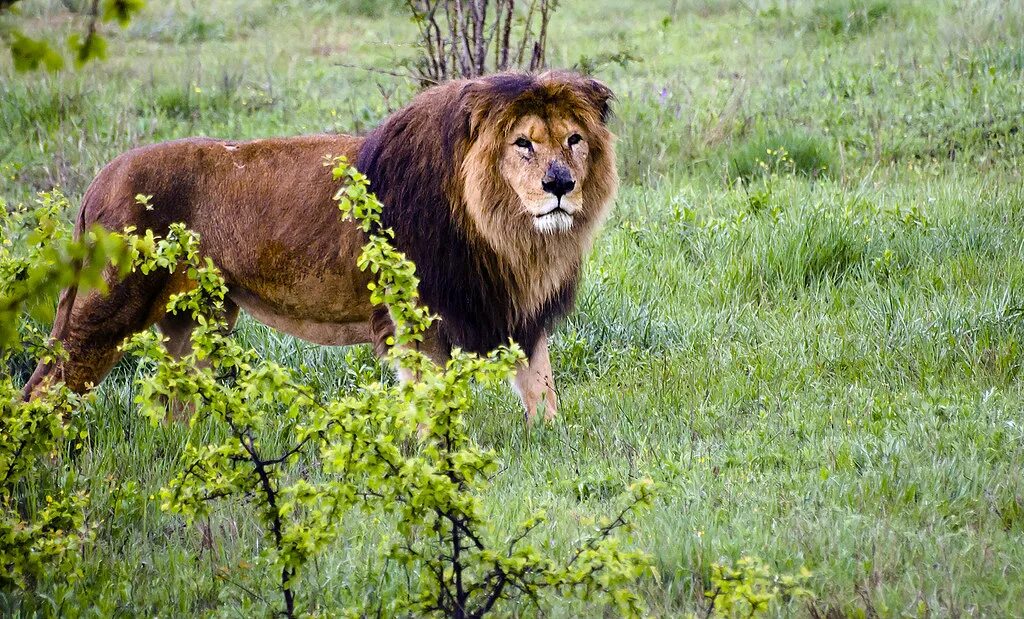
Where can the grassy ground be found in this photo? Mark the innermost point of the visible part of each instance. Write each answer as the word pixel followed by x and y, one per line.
pixel 820 363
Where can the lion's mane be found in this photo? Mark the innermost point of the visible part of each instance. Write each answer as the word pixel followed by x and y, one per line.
pixel 433 165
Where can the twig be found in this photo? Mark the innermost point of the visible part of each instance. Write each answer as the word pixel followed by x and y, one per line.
pixel 526 32
pixel 90 34
pixel 253 594
pixel 407 76
pixel 605 531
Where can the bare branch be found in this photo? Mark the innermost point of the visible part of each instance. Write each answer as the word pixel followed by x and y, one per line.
pixel 409 76
pixel 470 38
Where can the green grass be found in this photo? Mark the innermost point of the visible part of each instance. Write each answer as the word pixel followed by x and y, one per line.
pixel 821 362
pixel 793 152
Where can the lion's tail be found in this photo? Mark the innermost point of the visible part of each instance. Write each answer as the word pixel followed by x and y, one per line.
pixel 67 297
pixel 66 303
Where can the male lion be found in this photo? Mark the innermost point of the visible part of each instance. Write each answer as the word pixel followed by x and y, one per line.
pixel 494 188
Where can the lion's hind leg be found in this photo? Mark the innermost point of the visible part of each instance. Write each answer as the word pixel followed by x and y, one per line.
pixel 177 329
pixel 177 332
pixel 94 327
pixel 382 328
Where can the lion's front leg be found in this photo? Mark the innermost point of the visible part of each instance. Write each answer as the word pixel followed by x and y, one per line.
pixel 433 347
pixel 535 383
pixel 382 327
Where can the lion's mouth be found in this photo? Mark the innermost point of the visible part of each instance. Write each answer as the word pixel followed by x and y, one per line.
pixel 555 211
pixel 556 220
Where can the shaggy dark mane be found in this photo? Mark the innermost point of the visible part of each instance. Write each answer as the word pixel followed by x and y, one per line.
pixel 413 161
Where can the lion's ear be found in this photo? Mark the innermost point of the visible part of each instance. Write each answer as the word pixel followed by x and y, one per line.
pixel 600 96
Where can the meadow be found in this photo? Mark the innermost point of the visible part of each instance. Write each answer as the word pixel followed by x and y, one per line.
pixel 804 318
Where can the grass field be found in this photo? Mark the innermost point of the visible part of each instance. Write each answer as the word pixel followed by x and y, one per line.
pixel 804 318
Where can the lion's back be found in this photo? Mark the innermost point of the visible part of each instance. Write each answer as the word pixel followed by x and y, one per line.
pixel 202 180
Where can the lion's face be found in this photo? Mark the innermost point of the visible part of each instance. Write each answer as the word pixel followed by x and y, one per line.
pixel 545 162
pixel 513 174
pixel 538 170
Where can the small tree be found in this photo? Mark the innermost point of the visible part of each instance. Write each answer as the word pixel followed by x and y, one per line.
pixel 469 38
pixel 38 258
pixel 465 567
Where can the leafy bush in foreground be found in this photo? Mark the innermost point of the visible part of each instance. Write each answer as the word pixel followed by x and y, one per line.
pixel 458 565
pixel 37 259
pixel 29 53
pixel 749 588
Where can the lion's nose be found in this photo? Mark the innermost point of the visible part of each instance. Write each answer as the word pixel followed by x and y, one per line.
pixel 558 181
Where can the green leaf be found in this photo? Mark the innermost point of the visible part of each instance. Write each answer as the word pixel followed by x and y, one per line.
pixel 121 10
pixel 92 47
pixel 29 54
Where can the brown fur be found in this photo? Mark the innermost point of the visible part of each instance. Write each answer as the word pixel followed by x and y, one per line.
pixel 456 192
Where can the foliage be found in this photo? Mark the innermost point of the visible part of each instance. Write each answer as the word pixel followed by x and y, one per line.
pixel 35 537
pixel 749 588
pixel 29 54
pixel 464 569
pixel 37 258
pixel 591 65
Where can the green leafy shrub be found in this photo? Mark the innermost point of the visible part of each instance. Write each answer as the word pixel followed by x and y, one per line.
pixel 41 532
pixel 458 565
pixel 750 588
pixel 35 535
pixel 30 54
pixel 38 258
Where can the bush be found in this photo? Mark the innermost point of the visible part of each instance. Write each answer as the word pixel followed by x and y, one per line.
pixel 750 588
pixel 41 532
pixel 459 566
pixel 462 566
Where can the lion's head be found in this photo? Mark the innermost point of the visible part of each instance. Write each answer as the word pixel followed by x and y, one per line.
pixel 546 165
pixel 538 155
pixel 495 187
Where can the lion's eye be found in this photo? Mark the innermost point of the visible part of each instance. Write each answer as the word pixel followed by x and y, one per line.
pixel 575 139
pixel 523 143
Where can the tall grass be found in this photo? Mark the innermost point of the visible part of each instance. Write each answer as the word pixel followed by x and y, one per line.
pixel 819 360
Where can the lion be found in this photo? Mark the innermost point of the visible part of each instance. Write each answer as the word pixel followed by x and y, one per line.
pixel 494 187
